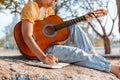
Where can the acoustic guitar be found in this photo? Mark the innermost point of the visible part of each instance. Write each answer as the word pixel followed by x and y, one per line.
pixel 48 31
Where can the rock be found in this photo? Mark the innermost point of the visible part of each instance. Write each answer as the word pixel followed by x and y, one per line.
pixel 12 67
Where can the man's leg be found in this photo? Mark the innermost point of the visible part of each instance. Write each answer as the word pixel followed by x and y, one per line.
pixel 79 57
pixel 79 39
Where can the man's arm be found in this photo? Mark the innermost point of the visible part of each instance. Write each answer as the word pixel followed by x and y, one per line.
pixel 27 32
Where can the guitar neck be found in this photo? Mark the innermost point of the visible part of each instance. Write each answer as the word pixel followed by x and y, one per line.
pixel 69 22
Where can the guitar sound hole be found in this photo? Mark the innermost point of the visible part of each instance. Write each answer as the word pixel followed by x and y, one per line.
pixel 49 30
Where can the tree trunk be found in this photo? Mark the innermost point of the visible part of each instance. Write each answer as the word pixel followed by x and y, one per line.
pixel 118 7
pixel 107 45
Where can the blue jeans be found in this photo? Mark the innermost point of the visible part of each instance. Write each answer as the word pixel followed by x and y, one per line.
pixel 80 53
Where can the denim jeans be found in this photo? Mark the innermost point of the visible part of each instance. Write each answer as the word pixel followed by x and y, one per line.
pixel 79 54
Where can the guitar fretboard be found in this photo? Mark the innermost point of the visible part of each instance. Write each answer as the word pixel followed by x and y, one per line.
pixel 69 22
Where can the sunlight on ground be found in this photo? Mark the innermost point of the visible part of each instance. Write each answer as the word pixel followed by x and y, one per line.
pixel 12 52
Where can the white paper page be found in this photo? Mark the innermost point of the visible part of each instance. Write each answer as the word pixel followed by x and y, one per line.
pixel 41 64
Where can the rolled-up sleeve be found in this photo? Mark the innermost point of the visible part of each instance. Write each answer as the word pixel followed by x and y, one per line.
pixel 51 11
pixel 30 12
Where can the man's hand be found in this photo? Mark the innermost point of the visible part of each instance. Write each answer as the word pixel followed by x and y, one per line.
pixel 88 17
pixel 95 14
pixel 50 59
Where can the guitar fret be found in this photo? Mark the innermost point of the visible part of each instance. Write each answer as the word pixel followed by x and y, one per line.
pixel 73 21
pixel 65 23
pixel 70 22
pixel 77 19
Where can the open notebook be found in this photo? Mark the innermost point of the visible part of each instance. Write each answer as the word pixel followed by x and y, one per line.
pixel 41 64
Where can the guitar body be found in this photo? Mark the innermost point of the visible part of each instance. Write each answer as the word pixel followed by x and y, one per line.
pixel 44 35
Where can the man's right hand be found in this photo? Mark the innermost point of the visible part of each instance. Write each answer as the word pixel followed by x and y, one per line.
pixel 50 59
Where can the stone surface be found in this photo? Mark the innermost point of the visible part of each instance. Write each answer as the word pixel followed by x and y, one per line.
pixel 12 67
